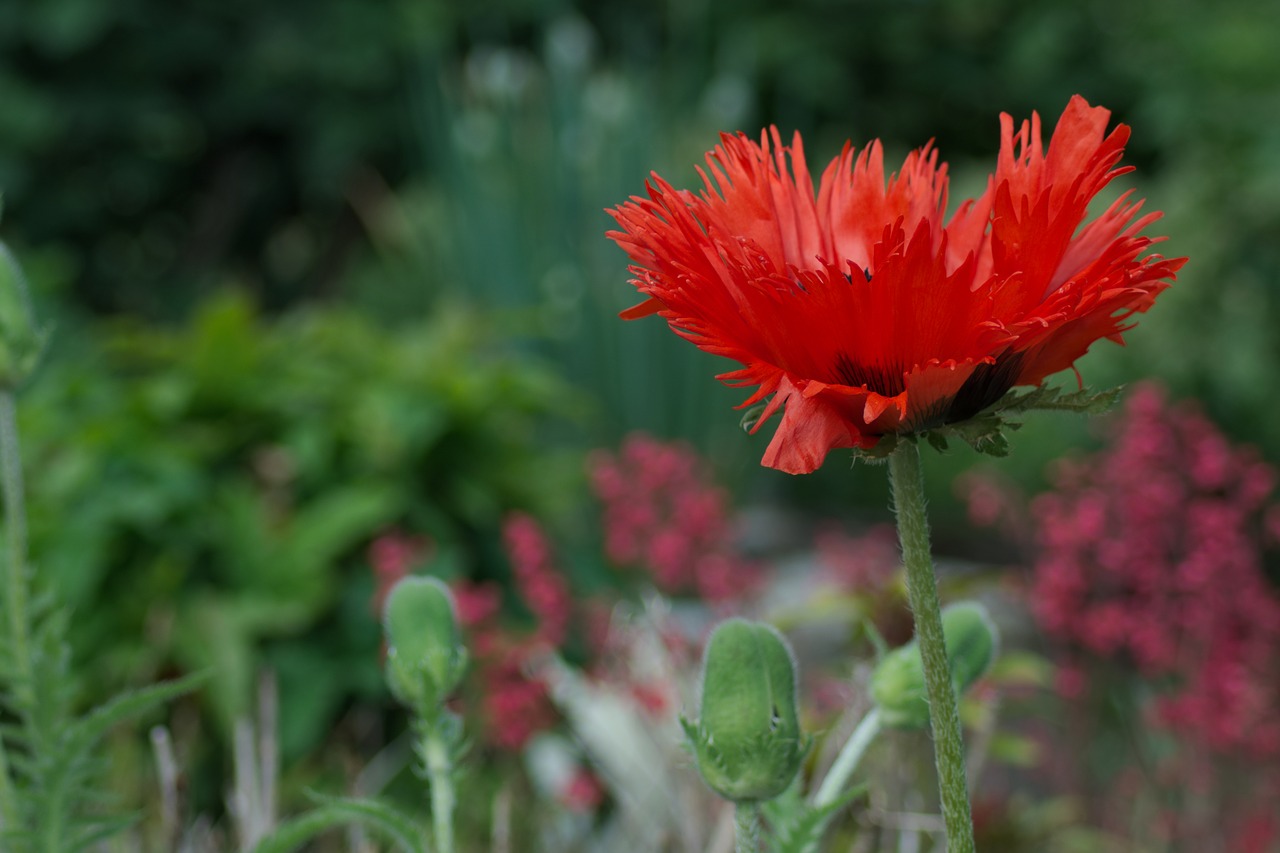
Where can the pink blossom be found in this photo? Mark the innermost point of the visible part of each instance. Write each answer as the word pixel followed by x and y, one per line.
pixel 1151 551
pixel 663 516
pixel 538 580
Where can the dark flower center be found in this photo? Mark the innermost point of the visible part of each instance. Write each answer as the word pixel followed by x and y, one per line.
pixel 987 384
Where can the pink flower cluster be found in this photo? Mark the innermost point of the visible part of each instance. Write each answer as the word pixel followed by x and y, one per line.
pixel 511 706
pixel 1152 551
pixel 513 703
pixel 537 579
pixel 663 516
pixel 1151 554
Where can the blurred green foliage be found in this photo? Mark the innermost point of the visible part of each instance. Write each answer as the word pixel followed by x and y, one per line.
pixel 203 497
pixel 398 150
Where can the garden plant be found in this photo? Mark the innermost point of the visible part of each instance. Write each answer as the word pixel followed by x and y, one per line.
pixel 342 512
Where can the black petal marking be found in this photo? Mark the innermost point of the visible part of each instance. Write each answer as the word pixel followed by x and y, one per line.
pixel 987 384
pixel 881 378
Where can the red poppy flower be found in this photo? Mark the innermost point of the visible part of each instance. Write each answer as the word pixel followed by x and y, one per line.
pixel 863 310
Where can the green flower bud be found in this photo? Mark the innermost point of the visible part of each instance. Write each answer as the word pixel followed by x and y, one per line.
pixel 425 655
pixel 22 342
pixel 897 685
pixel 747 738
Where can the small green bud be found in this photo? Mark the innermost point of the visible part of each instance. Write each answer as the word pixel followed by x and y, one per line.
pixel 425 655
pixel 897 685
pixel 747 738
pixel 22 341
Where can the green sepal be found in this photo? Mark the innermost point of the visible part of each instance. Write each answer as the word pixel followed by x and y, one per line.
pixel 1051 399
pixel 881 451
pixel 751 417
pixel 754 769
pixel 747 738
pixel 987 432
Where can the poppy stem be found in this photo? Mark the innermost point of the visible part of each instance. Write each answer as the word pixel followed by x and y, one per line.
pixel 436 752
pixel 746 822
pixel 907 481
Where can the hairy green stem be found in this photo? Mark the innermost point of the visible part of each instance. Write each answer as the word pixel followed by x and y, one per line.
pixel 15 586
pixel 922 589
pixel 746 823
pixel 436 755
pixel 837 778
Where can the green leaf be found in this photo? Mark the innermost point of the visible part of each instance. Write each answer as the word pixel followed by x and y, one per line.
pixel 336 812
pixel 988 432
pixel 100 832
pixel 90 729
pixel 800 830
pixel 1046 398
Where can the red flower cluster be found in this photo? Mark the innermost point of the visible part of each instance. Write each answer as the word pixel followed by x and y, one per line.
pixel 663 515
pixel 1152 551
pixel 864 311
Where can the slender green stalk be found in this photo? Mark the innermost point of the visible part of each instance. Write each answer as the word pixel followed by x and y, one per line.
pixel 837 778
pixel 436 752
pixel 15 518
pixel 8 801
pixel 746 823
pixel 922 588
pixel 15 586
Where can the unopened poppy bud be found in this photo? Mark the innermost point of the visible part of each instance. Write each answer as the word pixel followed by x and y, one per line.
pixel 747 737
pixel 898 686
pixel 425 655
pixel 22 342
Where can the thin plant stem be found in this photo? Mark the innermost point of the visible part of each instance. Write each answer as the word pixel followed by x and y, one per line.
pixel 15 518
pixel 435 753
pixel 16 581
pixel 922 588
pixel 8 801
pixel 746 824
pixel 837 778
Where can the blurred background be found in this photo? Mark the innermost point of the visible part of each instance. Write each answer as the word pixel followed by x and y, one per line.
pixel 324 272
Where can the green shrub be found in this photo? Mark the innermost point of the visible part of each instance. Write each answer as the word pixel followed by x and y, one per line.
pixel 202 496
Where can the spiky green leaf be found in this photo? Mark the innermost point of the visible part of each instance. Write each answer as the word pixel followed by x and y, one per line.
pixel 335 812
pixel 90 729
pixel 801 829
